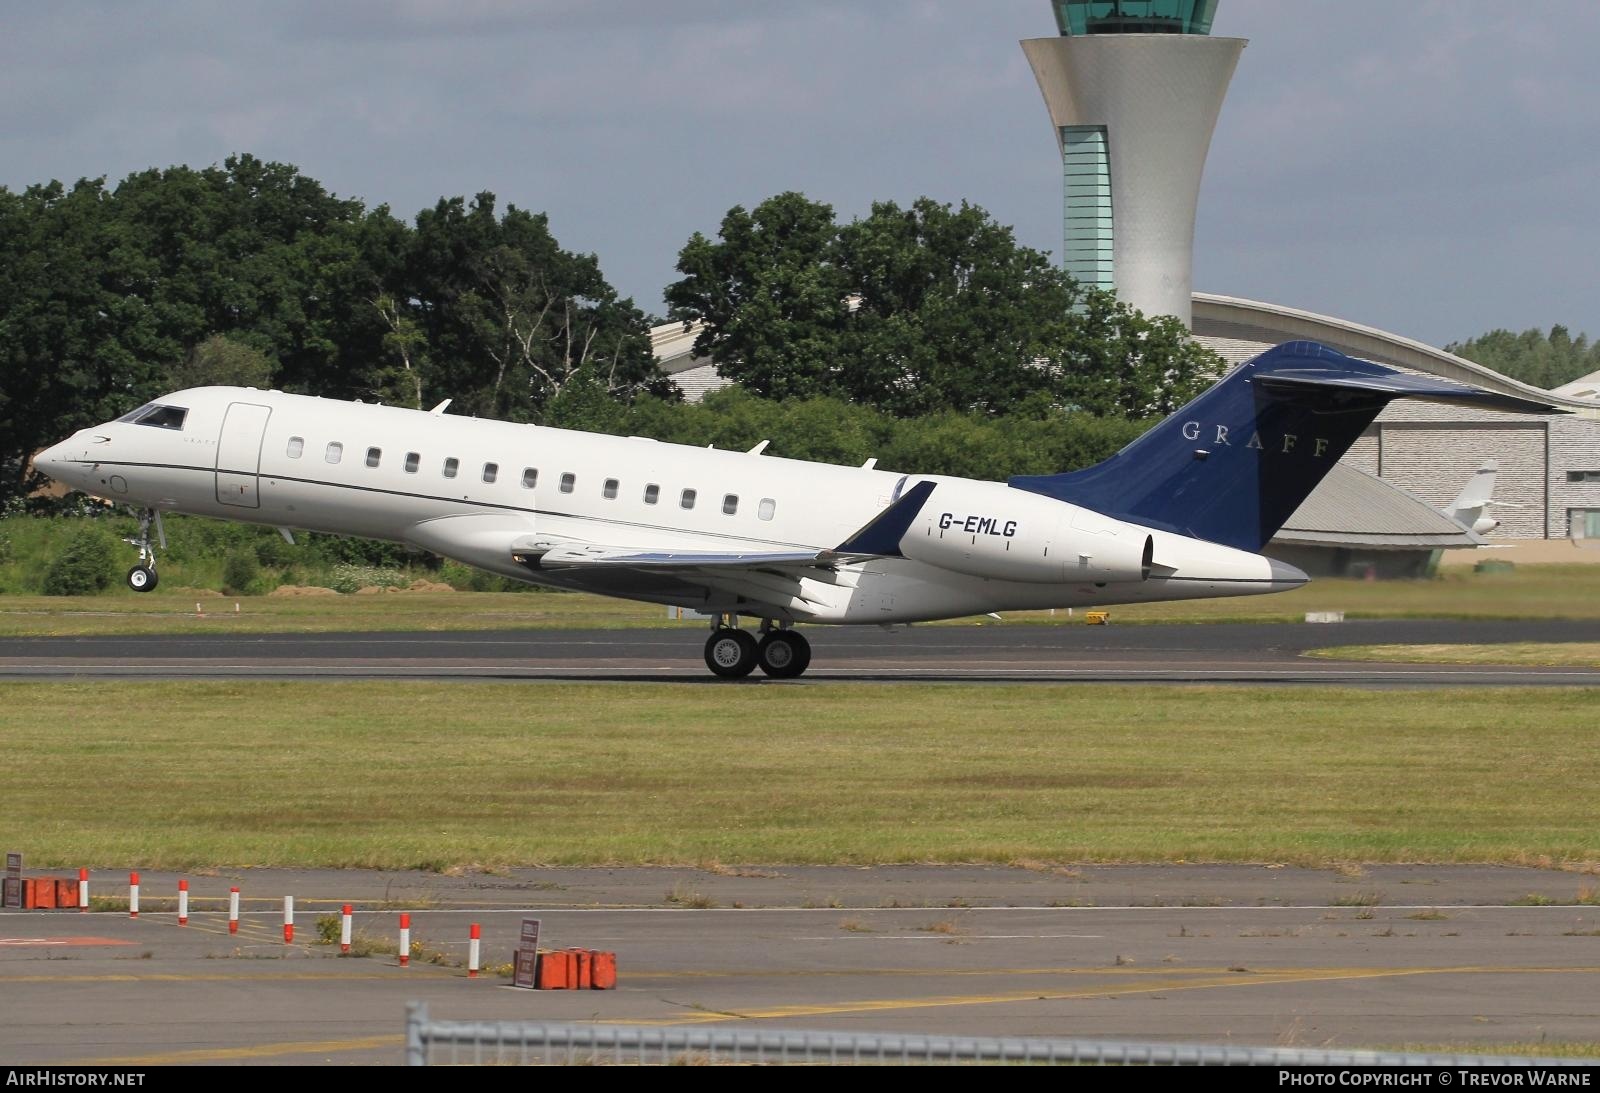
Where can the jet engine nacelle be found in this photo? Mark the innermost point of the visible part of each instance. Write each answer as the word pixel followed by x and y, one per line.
pixel 988 529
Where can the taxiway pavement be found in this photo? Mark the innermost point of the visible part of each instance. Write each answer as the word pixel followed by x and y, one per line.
pixel 1250 955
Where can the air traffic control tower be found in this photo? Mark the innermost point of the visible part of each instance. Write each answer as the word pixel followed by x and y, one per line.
pixel 1134 88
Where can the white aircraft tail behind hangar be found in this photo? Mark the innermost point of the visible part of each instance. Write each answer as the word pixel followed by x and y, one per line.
pixel 1180 513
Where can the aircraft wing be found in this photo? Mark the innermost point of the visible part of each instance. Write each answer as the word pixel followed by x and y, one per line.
pixel 786 583
pixel 879 538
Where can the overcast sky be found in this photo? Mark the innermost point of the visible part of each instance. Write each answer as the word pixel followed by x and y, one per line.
pixel 1428 167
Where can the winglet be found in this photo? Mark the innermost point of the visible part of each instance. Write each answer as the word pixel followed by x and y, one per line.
pixel 882 535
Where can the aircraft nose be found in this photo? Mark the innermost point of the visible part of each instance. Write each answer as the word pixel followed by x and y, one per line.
pixel 53 460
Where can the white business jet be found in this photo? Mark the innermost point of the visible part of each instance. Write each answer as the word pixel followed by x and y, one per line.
pixel 1181 513
pixel 1470 508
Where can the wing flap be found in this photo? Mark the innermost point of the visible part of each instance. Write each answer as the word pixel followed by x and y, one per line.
pixel 583 557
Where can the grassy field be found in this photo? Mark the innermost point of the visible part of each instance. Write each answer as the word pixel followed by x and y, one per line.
pixel 436 775
pixel 1532 591
pixel 173 612
pixel 1577 654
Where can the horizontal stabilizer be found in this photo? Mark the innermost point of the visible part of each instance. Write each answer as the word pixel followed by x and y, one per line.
pixel 1399 385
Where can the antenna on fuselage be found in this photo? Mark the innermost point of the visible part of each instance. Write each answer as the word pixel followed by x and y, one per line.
pixel 438 411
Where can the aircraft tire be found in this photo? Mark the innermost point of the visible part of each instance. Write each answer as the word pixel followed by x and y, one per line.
pixel 731 653
pixel 784 654
pixel 141 578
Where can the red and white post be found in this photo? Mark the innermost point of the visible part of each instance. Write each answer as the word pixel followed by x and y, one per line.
pixel 473 943
pixel 288 920
pixel 183 903
pixel 133 895
pixel 405 940
pixel 344 929
pixel 233 909
pixel 83 889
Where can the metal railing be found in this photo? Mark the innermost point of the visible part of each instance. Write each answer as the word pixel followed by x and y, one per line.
pixel 536 1043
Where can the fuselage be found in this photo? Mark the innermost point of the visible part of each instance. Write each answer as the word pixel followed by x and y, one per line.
pixel 486 492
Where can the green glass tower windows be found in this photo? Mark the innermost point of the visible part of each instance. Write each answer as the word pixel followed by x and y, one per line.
pixel 1086 171
pixel 1076 17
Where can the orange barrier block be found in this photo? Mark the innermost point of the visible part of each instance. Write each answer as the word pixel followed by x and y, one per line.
pixel 604 976
pixel 44 893
pixel 30 893
pixel 66 893
pixel 555 971
pixel 583 968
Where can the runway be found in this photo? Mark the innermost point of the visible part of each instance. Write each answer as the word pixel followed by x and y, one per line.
pixel 1249 955
pixel 990 653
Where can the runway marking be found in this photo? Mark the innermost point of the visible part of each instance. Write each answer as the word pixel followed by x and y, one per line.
pixel 946 937
pixel 1112 971
pixel 19 942
pixel 252 1051
pixel 1252 978
pixel 634 909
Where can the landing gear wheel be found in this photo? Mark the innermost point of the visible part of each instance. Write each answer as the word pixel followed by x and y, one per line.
pixel 784 654
pixel 142 578
pixel 731 653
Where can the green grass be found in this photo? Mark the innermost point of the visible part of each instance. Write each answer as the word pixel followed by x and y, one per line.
pixel 1577 654
pixel 1532 591
pixel 173 612
pixel 392 775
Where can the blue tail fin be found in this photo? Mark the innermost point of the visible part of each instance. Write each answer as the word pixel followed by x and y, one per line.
pixel 1233 465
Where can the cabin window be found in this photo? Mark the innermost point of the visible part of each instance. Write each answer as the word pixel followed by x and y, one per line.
pixel 652 494
pixel 335 452
pixel 491 471
pixel 162 417
pixel 568 480
pixel 765 510
pixel 297 444
pixel 1583 476
pixel 374 456
pixel 687 500
pixel 413 461
pixel 610 490
pixel 530 477
pixel 730 504
pixel 451 466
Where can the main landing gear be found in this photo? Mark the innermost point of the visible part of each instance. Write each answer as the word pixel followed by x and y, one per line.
pixel 733 653
pixel 142 577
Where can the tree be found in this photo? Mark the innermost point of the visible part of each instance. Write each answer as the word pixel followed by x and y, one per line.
pixel 406 344
pixel 1532 356
pixel 222 361
pixel 920 310
pixel 953 313
pixel 518 317
pixel 770 295
pixel 1115 362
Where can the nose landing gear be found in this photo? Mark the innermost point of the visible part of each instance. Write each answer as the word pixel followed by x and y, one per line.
pixel 142 577
pixel 732 653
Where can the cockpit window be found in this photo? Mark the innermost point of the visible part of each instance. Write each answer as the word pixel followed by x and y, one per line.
pixel 153 413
